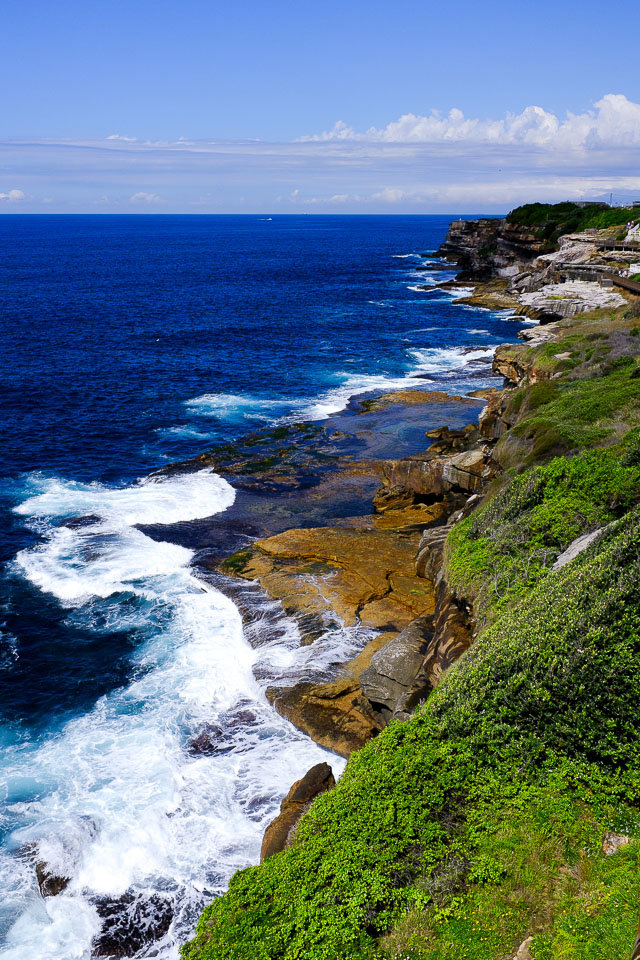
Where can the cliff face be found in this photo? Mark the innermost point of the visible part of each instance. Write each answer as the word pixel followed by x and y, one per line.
pixel 488 248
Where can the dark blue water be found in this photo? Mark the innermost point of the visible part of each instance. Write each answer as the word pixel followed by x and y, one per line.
pixel 131 341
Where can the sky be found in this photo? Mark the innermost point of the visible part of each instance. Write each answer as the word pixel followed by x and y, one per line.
pixel 340 107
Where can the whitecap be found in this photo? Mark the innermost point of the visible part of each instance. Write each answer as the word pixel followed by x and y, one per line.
pixel 448 359
pixel 114 800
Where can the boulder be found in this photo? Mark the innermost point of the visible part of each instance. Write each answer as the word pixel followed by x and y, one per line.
pixel 393 498
pixel 466 470
pixel 433 477
pixel 613 842
pixel 281 831
pixel 523 950
pixel 576 548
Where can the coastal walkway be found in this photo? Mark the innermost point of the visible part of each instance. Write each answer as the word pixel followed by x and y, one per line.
pixel 629 247
pixel 622 282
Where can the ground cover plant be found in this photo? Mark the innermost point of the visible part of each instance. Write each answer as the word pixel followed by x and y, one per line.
pixel 479 821
pixel 506 546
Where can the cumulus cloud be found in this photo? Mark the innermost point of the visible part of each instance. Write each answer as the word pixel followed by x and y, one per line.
pixel 142 197
pixel 13 196
pixel 613 121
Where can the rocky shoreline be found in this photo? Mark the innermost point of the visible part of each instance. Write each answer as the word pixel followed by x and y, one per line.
pixel 345 528
pixel 446 539
pixel 385 572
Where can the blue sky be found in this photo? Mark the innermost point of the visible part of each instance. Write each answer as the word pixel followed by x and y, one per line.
pixel 281 106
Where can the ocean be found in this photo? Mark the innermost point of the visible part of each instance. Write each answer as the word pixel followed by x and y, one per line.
pixel 131 342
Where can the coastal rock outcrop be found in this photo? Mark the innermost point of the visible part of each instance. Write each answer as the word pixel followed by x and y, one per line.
pixel 349 575
pixel 428 476
pixel 50 884
pixel 561 300
pixel 281 831
pixel 336 715
pixel 487 248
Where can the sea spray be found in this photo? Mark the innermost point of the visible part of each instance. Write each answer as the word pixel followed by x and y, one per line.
pixel 117 800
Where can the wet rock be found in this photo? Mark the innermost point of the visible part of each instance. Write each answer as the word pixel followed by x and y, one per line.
pixel 50 884
pixel 448 441
pixel 325 576
pixel 393 498
pixel 281 831
pixel 210 740
pixel 129 923
pixel 409 397
pixel 89 520
pixel 467 471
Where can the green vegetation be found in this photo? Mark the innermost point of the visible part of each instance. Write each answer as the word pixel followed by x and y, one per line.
pixel 552 220
pixel 236 563
pixel 569 415
pixel 505 547
pixel 479 821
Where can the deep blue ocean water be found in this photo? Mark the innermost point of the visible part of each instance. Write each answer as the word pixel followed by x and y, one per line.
pixel 129 342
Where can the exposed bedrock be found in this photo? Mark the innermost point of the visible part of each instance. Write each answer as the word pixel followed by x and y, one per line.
pixel 405 670
pixel 336 715
pixel 488 248
pixel 555 301
pixel 434 477
pixel 281 831
pixel 389 683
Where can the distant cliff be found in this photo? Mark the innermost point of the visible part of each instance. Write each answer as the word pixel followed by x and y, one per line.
pixel 489 248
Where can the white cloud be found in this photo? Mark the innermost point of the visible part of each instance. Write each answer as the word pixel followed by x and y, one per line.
pixel 614 121
pixel 142 197
pixel 13 196
pixel 117 136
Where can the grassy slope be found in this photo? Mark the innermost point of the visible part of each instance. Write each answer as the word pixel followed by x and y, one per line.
pixel 480 821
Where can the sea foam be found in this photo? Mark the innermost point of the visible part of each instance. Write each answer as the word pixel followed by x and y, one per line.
pixel 115 800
